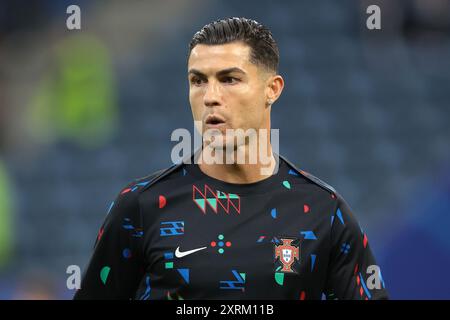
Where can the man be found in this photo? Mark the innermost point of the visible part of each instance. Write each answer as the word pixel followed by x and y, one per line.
pixel 216 230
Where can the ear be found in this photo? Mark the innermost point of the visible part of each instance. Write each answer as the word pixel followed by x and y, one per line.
pixel 275 85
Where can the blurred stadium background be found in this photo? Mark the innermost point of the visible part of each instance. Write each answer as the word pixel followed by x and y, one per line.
pixel 84 112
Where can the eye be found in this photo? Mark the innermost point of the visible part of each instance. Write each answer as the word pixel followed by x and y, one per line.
pixel 230 80
pixel 197 81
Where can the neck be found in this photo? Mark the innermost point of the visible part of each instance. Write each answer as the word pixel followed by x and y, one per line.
pixel 238 172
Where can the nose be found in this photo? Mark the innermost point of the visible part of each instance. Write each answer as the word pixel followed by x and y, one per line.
pixel 212 95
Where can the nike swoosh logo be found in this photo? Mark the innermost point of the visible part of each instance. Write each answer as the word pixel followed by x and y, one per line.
pixel 180 254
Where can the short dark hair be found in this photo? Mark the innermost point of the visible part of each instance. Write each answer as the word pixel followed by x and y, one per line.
pixel 263 48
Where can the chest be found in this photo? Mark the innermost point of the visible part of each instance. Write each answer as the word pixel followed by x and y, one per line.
pixel 264 245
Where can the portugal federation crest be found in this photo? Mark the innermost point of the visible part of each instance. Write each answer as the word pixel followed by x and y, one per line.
pixel 287 252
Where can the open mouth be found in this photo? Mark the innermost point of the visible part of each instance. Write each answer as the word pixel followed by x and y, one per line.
pixel 213 120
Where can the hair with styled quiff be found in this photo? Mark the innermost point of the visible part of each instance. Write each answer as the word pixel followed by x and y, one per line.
pixel 264 50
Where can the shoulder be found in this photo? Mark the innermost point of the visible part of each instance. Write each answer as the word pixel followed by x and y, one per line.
pixel 322 191
pixel 138 185
pixel 311 179
pixel 126 202
pixel 341 210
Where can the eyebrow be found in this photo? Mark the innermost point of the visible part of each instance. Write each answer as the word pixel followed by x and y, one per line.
pixel 218 73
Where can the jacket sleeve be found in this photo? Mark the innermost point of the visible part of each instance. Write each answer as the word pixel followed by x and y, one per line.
pixel 116 266
pixel 353 272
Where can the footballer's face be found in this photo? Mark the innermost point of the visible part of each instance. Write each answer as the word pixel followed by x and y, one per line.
pixel 227 90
